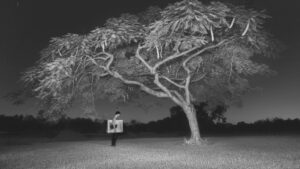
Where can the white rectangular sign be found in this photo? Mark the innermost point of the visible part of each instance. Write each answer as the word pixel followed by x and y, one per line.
pixel 118 128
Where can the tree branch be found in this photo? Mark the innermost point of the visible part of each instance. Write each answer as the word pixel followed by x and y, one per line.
pixel 172 82
pixel 142 86
pixel 178 95
pixel 138 56
pixel 177 100
pixel 151 69
pixel 187 82
pixel 126 81
pixel 246 29
pixel 232 22
pixel 97 56
pixel 174 56
pixel 212 34
pixel 198 79
pixel 205 49
pixel 157 52
pixel 183 80
pixel 188 78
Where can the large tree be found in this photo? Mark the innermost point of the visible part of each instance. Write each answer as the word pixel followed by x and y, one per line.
pixel 188 52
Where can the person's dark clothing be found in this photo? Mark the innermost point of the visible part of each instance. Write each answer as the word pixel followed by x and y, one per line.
pixel 114 135
pixel 114 139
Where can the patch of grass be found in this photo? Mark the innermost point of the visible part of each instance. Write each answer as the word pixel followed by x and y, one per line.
pixel 264 152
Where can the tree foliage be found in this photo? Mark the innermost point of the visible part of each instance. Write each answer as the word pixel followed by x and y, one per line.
pixel 188 52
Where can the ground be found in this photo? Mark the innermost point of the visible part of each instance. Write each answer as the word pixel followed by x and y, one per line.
pixel 247 152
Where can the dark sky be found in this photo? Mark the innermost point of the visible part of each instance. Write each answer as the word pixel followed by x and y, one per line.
pixel 27 26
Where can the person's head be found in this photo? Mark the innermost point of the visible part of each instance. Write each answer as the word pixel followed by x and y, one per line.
pixel 117 113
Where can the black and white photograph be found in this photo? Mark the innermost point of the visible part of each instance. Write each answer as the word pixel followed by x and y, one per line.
pixel 149 84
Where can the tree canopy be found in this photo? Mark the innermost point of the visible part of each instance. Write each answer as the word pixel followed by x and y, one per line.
pixel 188 52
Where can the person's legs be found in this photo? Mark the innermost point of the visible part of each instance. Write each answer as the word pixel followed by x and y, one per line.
pixel 116 137
pixel 113 139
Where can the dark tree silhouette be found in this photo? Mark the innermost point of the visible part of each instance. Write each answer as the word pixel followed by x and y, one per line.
pixel 206 116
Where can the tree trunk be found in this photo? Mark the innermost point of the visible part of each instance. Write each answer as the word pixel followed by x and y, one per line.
pixel 193 123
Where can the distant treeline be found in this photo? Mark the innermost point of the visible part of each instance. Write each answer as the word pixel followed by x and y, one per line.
pixel 261 127
pixel 30 125
pixel 213 123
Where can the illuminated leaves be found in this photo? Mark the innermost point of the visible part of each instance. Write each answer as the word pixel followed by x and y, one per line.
pixel 117 31
pixel 58 75
pixel 104 63
pixel 190 23
pixel 193 17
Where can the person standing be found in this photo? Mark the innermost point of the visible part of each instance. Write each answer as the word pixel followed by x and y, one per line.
pixel 115 134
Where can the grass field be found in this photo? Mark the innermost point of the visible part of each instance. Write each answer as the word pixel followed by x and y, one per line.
pixel 255 152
